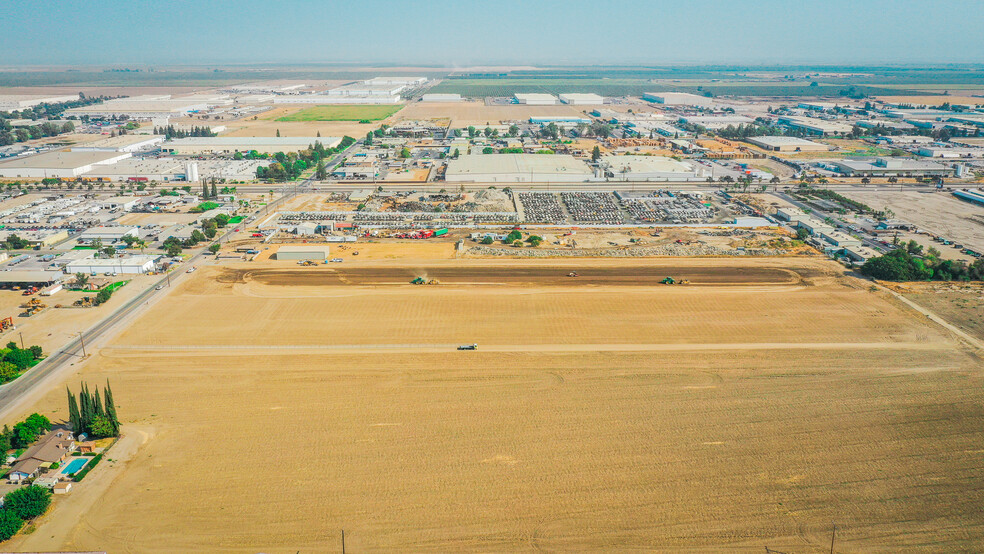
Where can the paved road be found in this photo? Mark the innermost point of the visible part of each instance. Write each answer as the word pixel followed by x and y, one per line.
pixel 869 242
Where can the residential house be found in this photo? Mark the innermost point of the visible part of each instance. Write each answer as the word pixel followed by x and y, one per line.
pixel 53 447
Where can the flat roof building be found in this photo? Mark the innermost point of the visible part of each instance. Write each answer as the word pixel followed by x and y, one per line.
pixel 402 81
pixel 328 100
pixel 230 145
pixel 891 167
pixel 787 144
pixel 677 99
pixel 651 168
pixel 716 121
pixel 579 99
pixel 141 109
pixel 107 235
pixel 17 102
pixel 303 252
pixel 121 143
pixel 816 126
pixel 436 97
pixel 536 99
pixel 517 168
pixel 131 265
pixel 792 214
pixel 62 164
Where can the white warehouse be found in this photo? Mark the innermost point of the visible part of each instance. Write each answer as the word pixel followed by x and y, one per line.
pixel 61 164
pixel 577 99
pixel 536 99
pixel 129 265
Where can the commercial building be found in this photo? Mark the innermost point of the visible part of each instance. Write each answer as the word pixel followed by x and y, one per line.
pixel 816 126
pixel 677 99
pixel 121 143
pixel 787 144
pixel 396 81
pixel 715 122
pixel 17 102
pixel 578 99
pixel 815 226
pixel 107 235
pixel 793 215
pixel 517 168
pixel 325 99
pixel 536 99
pixel 40 238
pixel 303 252
pixel 651 168
pixel 176 170
pixel 970 195
pixel 435 97
pixel 141 109
pixel 362 89
pixel 29 278
pixel 133 265
pixel 892 167
pixel 62 164
pixel 559 119
pixel 230 145
pixel 950 152
pixel 840 239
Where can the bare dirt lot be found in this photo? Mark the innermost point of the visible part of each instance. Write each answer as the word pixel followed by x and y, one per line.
pixel 477 113
pixel 936 212
pixel 754 407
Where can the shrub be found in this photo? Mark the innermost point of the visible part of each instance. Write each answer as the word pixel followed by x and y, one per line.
pixel 28 502
pixel 55 465
pixel 10 524
pixel 89 454
pixel 88 467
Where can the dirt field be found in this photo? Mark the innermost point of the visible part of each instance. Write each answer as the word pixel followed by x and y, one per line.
pixel 266 126
pixel 752 408
pixel 962 304
pixel 463 114
pixel 937 213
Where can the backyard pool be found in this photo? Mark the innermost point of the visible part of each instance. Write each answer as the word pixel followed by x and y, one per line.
pixel 75 465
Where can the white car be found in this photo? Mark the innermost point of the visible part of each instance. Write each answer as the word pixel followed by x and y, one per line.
pixel 337 260
pixel 193 268
pixel 159 287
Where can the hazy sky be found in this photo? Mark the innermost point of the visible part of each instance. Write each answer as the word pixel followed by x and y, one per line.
pixel 464 32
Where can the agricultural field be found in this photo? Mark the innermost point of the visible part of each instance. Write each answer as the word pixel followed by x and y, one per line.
pixel 751 408
pixel 342 113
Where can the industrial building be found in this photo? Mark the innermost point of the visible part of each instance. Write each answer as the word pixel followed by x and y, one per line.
pixel 715 122
pixel 26 277
pixel 141 109
pixel 651 168
pixel 560 120
pixel 578 99
pixel 951 152
pixel 397 81
pixel 787 144
pixel 231 145
pixel 435 97
pixel 325 99
pixel 677 99
pixel 121 143
pixel 792 215
pixel 303 252
pixel 127 265
pixel 175 170
pixel 840 239
pixel 17 102
pixel 536 99
pixel 816 126
pixel 970 195
pixel 517 168
pixel 62 164
pixel 107 235
pixel 892 167
pixel 39 238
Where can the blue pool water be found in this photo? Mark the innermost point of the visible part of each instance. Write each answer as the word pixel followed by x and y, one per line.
pixel 75 465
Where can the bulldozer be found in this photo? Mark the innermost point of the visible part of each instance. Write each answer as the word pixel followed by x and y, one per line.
pixel 306 262
pixel 33 303
pixel 422 281
pixel 668 281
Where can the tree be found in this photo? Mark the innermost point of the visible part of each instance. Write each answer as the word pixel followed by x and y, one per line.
pixel 487 240
pixel 513 130
pixel 111 409
pixel 28 502
pixel 278 132
pixel 517 244
pixel 488 150
pixel 534 240
pixel 173 249
pixel 103 296
pixel 513 236
pixel 214 248
pixel 405 153
pixel 368 141
pixel 595 154
pixel 320 173
pixel 10 524
pixel 802 233
pixel 101 427
pixel 74 417
pixel 82 279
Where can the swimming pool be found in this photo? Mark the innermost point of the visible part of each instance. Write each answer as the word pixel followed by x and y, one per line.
pixel 75 465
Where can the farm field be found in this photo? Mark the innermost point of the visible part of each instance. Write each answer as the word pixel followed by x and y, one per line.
pixel 752 408
pixel 466 113
pixel 342 113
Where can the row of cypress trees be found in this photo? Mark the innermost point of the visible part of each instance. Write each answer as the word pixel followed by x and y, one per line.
pixel 93 414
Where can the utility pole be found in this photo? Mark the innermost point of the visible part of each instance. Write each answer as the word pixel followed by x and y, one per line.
pixel 343 541
pixel 833 534
pixel 22 339
pixel 82 340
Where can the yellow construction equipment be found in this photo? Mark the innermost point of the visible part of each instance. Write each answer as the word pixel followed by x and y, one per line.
pixel 84 302
pixel 6 323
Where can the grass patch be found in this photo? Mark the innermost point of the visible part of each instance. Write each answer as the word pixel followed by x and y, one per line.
pixel 343 113
pixel 237 219
pixel 116 285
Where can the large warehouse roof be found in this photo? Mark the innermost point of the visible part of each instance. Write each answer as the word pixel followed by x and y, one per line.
pixel 62 159
pixel 245 144
pixel 517 167
pixel 27 276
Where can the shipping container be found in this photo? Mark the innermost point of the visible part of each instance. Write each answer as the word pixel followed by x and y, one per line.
pixel 440 232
